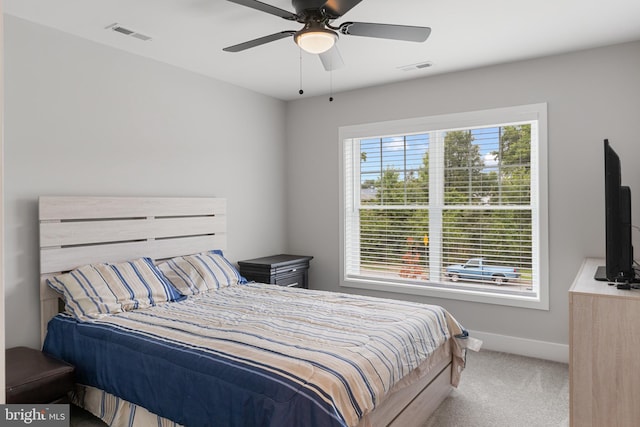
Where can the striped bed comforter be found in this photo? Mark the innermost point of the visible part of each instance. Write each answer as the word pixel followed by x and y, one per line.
pixel 255 354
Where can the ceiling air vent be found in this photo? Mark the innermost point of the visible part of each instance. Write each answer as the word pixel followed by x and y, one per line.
pixel 418 66
pixel 127 31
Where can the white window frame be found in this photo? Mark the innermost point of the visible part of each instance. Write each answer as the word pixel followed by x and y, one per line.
pixel 539 194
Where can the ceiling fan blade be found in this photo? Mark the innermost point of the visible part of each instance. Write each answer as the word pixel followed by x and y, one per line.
pixel 263 7
pixel 331 59
pixel 386 31
pixel 259 41
pixel 337 8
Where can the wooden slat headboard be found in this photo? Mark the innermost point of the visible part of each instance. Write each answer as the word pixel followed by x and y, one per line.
pixel 76 231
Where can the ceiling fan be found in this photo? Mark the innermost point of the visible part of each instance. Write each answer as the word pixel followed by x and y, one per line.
pixel 318 36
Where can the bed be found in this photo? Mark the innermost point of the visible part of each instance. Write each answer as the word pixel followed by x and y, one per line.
pixel 235 353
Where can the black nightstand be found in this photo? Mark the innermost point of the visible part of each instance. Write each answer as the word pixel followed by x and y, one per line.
pixel 282 270
pixel 34 377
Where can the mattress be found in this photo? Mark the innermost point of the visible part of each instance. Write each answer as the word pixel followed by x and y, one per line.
pixel 256 354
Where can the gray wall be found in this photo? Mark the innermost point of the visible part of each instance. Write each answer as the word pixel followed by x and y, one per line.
pixel 85 119
pixel 591 95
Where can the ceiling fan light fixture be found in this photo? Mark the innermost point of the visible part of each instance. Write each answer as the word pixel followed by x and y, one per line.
pixel 316 40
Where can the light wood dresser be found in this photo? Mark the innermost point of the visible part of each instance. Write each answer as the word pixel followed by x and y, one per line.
pixel 604 352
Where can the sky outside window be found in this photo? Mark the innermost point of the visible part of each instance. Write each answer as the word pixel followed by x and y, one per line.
pixel 405 154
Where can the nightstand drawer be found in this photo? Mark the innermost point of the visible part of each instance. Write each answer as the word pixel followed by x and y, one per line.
pixel 282 270
pixel 296 279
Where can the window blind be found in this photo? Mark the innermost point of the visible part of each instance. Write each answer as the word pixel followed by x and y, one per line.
pixel 418 203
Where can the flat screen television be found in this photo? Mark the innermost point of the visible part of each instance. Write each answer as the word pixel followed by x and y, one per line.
pixel 619 267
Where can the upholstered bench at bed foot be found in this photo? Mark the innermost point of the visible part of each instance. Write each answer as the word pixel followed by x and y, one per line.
pixel 34 377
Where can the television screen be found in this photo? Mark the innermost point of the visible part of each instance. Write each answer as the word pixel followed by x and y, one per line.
pixel 619 250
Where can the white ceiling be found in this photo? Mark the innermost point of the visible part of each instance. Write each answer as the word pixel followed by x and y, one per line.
pixel 465 34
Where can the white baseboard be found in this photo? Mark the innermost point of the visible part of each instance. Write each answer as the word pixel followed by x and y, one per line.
pixel 523 346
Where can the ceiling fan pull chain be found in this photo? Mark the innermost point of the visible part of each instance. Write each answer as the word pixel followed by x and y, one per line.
pixel 331 86
pixel 300 91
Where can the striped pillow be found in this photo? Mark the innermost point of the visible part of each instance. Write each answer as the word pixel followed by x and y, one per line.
pixel 99 289
pixel 203 272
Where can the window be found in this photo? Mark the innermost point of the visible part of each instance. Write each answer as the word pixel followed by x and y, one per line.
pixel 451 206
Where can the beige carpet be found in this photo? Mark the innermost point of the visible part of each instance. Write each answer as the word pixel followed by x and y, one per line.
pixel 505 390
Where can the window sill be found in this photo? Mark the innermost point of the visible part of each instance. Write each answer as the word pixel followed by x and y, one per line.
pixel 446 290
